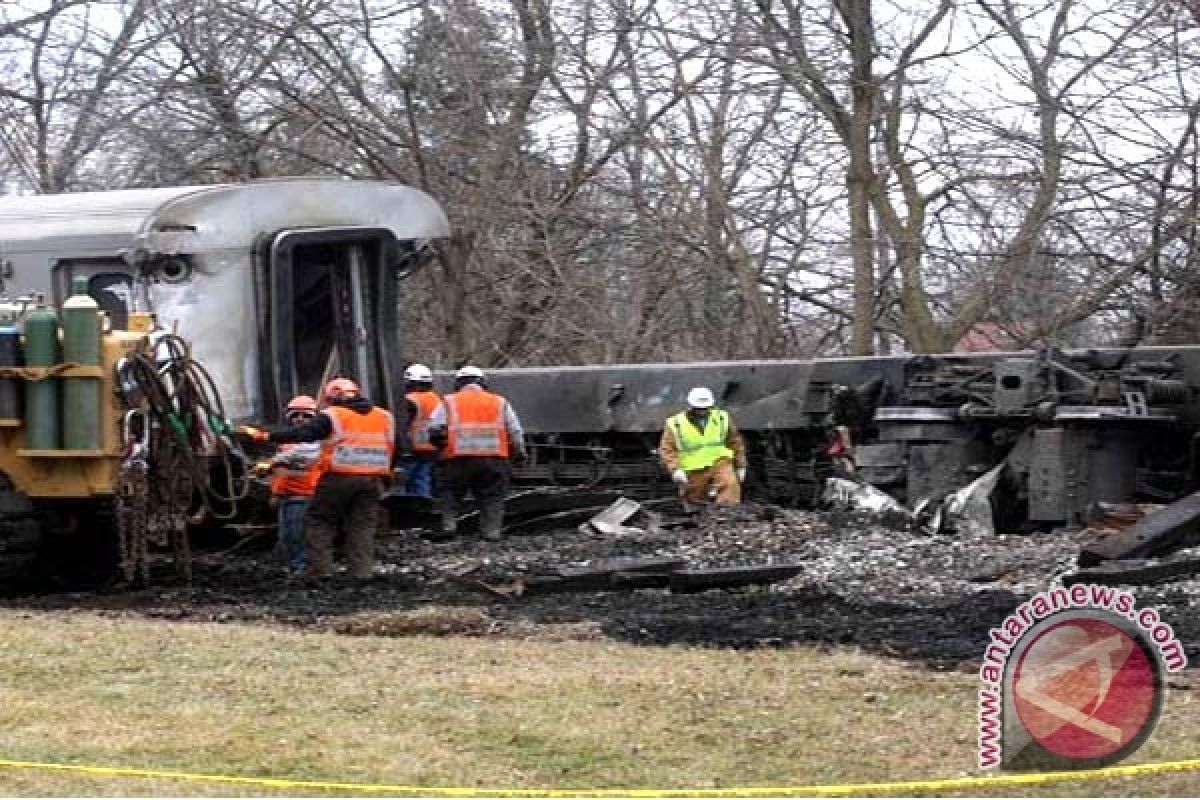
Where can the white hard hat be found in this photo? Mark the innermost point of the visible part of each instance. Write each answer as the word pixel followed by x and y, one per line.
pixel 700 397
pixel 418 373
pixel 469 372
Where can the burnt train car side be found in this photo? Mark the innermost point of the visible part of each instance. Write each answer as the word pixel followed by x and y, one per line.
pixel 1074 429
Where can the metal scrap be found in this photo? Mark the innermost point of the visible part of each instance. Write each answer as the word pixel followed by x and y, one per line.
pixel 968 510
pixel 610 520
pixel 843 494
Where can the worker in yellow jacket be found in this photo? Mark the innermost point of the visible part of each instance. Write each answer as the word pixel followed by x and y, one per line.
pixel 704 452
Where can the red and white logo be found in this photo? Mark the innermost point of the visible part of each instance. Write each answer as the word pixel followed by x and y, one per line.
pixel 1084 688
pixel 1073 678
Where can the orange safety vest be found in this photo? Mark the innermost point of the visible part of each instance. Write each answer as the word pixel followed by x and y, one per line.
pixel 292 482
pixel 475 425
pixel 418 430
pixel 361 444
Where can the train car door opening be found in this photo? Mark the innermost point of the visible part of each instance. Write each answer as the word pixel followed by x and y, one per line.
pixel 327 302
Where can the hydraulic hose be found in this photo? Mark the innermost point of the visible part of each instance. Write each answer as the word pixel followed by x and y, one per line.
pixel 182 398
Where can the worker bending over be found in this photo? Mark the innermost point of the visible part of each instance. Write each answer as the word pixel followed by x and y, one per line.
pixel 481 434
pixel 294 472
pixel 358 447
pixel 423 402
pixel 704 452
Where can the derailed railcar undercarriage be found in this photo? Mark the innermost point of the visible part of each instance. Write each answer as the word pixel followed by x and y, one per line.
pixel 1074 430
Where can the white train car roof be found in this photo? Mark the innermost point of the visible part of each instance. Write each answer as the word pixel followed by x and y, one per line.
pixel 189 219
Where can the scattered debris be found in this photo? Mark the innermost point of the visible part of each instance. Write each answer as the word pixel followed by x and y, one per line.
pixel 897 591
pixel 843 494
pixel 610 521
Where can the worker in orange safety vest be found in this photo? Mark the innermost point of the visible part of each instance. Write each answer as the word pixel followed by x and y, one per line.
pixel 423 403
pixel 358 448
pixel 294 472
pixel 480 435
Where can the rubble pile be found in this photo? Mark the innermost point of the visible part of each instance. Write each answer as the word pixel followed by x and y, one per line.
pixel 845 578
pixel 745 536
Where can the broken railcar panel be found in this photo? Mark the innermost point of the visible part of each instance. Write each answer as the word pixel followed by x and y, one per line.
pixel 638 398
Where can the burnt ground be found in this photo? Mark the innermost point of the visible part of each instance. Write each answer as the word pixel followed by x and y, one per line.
pixel 930 599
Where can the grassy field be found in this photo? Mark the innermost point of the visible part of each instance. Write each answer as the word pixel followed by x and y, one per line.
pixel 456 711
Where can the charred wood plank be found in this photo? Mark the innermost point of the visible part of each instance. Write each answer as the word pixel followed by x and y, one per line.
pixel 616 573
pixel 641 580
pixel 698 580
pixel 623 565
pixel 1169 528
pixel 1135 572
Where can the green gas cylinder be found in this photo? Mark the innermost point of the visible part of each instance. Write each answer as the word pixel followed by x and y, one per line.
pixel 41 397
pixel 81 345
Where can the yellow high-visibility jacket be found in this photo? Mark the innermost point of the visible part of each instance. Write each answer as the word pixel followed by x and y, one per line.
pixel 685 447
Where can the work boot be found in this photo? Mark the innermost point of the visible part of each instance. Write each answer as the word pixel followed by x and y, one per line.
pixel 491 521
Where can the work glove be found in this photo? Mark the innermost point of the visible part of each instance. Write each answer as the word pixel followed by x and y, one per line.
pixel 252 433
pixel 263 468
pixel 680 477
pixel 741 473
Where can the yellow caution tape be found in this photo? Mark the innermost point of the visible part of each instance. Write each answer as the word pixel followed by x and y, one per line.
pixel 839 789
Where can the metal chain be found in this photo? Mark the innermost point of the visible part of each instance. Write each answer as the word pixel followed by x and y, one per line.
pixel 179 490
pixel 133 501
pixel 154 491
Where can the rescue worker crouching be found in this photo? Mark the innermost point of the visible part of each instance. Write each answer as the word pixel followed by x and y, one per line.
pixel 295 471
pixel 703 451
pixel 358 447
pixel 479 433
pixel 423 403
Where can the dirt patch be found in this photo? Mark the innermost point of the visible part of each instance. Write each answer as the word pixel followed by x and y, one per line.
pixel 431 621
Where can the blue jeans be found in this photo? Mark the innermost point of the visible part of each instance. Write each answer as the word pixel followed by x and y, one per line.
pixel 291 531
pixel 418 478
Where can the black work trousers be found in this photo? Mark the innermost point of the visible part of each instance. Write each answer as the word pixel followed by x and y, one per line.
pixel 487 479
pixel 350 504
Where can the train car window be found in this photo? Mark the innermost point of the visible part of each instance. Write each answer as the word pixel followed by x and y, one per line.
pixel 114 294
pixel 109 282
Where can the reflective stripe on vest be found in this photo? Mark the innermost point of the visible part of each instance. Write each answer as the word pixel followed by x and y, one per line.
pixel 701 449
pixel 418 430
pixel 293 481
pixel 361 444
pixel 475 425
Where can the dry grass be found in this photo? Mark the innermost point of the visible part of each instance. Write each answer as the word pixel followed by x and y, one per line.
pixel 85 689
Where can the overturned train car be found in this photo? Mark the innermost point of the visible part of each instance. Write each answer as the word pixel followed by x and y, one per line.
pixel 1075 430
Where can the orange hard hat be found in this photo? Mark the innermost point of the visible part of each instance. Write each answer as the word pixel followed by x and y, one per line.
pixel 341 388
pixel 302 402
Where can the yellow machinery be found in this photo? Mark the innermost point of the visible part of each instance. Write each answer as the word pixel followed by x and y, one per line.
pixel 119 444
